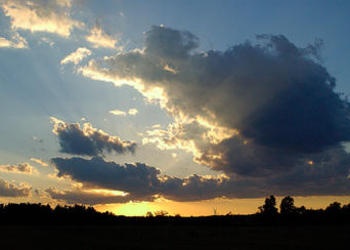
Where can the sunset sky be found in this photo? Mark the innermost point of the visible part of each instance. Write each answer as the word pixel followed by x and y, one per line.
pixel 188 106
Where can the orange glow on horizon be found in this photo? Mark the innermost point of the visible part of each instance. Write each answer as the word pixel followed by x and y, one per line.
pixel 128 209
pixel 218 206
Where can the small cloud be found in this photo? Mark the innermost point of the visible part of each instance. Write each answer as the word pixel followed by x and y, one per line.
pixel 48 41
pixel 16 41
pixel 156 126
pixel 88 140
pixel 4 43
pixel 133 111
pixel 169 69
pixel 39 161
pixel 98 38
pixel 117 112
pixel 22 168
pixel 77 56
pixel 8 189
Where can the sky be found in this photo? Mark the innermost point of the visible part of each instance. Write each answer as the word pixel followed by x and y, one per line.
pixel 192 107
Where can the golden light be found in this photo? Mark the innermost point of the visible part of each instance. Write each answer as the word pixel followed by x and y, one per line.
pixel 100 39
pixel 106 192
pixel 221 206
pixel 168 68
pixel 215 133
pixel 129 209
pixel 310 163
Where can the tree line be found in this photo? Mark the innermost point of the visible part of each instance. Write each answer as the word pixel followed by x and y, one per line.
pixel 288 213
pixel 37 213
pixel 288 208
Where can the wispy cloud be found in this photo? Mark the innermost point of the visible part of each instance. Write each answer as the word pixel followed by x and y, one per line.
pixel 77 56
pixel 88 140
pixel 86 196
pixel 39 161
pixel 98 38
pixel 41 16
pixel 133 111
pixel 118 112
pixel 16 41
pixel 46 40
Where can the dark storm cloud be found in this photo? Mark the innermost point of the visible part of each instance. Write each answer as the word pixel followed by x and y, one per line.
pixel 278 96
pixel 8 189
pixel 142 182
pixel 172 44
pixel 88 140
pixel 327 173
pixel 249 159
pixel 134 178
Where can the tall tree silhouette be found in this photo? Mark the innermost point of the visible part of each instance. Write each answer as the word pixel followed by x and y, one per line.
pixel 287 206
pixel 269 207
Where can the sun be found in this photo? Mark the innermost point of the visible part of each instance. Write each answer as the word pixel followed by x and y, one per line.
pixel 128 209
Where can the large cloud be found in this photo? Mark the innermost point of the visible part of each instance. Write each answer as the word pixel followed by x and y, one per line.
pixel 41 16
pixel 253 110
pixel 141 182
pixel 88 140
pixel 134 178
pixel 8 189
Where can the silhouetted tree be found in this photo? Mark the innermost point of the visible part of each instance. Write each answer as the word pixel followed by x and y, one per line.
pixel 269 208
pixel 287 206
pixel 149 214
pixel 38 214
pixel 346 208
pixel 334 208
pixel 301 210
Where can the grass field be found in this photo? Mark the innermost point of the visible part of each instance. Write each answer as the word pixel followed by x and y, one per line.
pixel 175 237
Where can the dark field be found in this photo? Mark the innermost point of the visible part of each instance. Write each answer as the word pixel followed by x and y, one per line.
pixel 169 236
pixel 37 226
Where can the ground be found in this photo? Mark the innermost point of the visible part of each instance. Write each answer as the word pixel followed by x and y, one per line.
pixel 175 237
